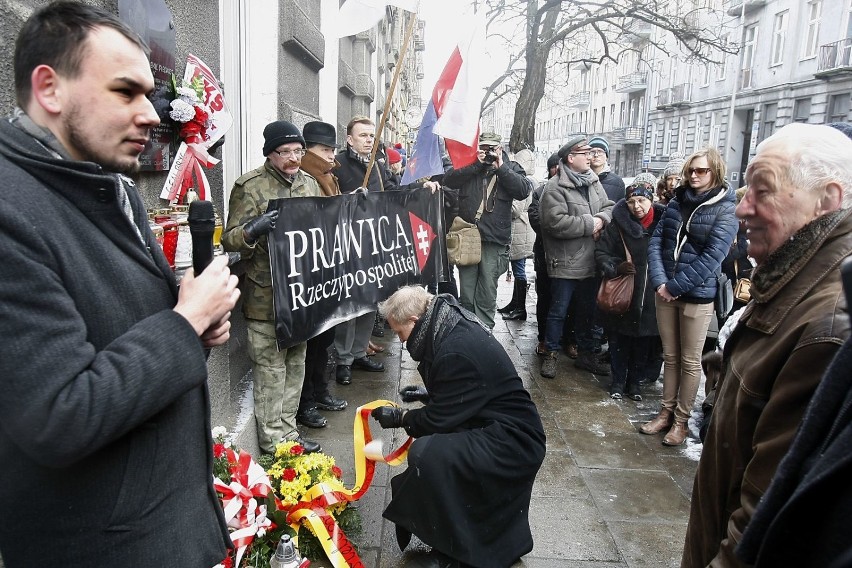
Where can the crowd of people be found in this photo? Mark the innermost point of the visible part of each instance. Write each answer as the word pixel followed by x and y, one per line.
pixel 106 387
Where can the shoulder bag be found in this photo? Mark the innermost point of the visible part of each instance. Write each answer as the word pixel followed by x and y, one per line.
pixel 616 294
pixel 464 243
pixel 724 296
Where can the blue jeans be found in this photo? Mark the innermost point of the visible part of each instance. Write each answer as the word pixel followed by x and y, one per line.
pixel 519 269
pixel 561 291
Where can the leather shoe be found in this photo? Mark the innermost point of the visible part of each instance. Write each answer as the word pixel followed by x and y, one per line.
pixel 343 374
pixel 368 364
pixel 677 435
pixel 308 445
pixel 311 418
pixel 328 402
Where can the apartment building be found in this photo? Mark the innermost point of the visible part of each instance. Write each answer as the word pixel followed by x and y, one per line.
pixel 794 64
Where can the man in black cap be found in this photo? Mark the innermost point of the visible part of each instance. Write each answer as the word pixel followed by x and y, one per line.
pixel 573 211
pixel 278 375
pixel 321 142
pixel 487 188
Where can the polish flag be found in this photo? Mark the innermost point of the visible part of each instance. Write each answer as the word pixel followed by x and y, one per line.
pixel 453 109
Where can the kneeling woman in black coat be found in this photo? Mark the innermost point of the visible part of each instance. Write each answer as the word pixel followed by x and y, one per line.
pixel 480 441
pixel 634 340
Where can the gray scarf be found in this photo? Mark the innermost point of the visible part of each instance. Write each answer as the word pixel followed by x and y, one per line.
pixel 578 180
pixel 441 316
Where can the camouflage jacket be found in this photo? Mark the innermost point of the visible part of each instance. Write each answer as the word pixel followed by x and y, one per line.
pixel 249 197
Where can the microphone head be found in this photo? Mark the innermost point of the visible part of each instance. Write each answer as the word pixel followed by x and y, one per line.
pixel 201 212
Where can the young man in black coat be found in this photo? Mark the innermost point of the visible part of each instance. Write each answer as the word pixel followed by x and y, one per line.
pixel 105 433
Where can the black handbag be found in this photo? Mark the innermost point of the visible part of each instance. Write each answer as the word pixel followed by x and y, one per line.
pixel 724 296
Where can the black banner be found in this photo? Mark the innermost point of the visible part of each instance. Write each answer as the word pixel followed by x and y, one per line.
pixel 334 258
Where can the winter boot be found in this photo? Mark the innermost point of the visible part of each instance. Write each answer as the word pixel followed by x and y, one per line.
pixel 548 365
pixel 662 422
pixel 587 361
pixel 520 296
pixel 508 308
pixel 677 435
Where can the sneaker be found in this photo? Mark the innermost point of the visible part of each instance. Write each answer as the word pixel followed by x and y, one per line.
pixel 615 395
pixel 588 362
pixel 635 396
pixel 548 365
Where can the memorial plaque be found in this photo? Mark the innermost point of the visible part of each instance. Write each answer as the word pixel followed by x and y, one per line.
pixel 152 20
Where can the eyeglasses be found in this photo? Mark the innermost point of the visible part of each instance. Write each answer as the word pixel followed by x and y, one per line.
pixel 699 171
pixel 488 148
pixel 297 153
pixel 596 153
pixel 586 154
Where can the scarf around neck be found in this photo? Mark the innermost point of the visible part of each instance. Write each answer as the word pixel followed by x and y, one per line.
pixel 441 316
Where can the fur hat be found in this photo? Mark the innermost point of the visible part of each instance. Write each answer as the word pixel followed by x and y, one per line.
pixel 577 141
pixel 316 132
pixel 278 133
pixel 674 167
pixel 600 142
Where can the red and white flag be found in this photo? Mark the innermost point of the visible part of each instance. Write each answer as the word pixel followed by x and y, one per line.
pixel 458 94
pixel 356 16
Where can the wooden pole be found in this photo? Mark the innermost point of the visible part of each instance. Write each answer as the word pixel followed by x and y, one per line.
pixel 412 20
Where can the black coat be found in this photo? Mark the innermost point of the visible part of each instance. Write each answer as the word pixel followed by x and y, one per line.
pixel 495 223
pixel 613 185
pixel 350 174
pixel 104 415
pixel 480 443
pixel 641 319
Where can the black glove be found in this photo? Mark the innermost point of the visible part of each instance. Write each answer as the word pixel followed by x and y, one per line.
pixel 413 393
pixel 388 416
pixel 259 226
pixel 626 267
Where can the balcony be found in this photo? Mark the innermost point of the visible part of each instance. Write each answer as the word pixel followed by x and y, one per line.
pixel 664 99
pixel 579 100
pixel 628 134
pixel 681 95
pixel 420 36
pixel 581 60
pixel 637 31
pixel 632 83
pixel 736 7
pixel 835 59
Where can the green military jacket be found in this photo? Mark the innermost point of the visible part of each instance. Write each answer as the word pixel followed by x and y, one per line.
pixel 249 197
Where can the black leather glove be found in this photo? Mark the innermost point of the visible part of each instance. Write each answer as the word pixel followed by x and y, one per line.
pixel 260 225
pixel 413 393
pixel 388 416
pixel 625 267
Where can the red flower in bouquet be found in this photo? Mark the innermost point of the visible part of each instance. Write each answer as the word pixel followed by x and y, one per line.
pixel 289 474
pixel 338 473
pixel 218 450
pixel 297 450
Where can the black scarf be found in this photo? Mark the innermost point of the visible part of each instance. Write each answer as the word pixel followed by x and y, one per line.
pixel 441 316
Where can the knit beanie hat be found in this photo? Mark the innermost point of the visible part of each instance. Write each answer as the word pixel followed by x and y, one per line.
pixel 553 161
pixel 600 142
pixel 393 156
pixel 674 167
pixel 643 185
pixel 844 127
pixel 278 133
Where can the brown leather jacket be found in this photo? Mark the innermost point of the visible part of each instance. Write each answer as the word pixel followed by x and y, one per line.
pixel 786 338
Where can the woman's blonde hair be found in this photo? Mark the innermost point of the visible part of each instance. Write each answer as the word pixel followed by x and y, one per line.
pixel 714 162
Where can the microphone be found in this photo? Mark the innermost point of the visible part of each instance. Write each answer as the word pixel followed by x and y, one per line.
pixel 202 222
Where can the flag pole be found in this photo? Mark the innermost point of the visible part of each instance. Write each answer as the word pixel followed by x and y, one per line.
pixel 412 20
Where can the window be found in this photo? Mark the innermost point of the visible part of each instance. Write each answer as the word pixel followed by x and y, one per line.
pixel 612 117
pixel 705 75
pixel 779 36
pixel 681 135
pixel 603 119
pixel 594 118
pixel 722 68
pixel 655 139
pixel 770 114
pixel 667 138
pixel 699 133
pixel 838 108
pixel 802 110
pixel 814 11
pixel 749 46
pixel 621 116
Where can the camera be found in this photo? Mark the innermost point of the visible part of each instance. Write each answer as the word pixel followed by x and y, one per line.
pixel 490 157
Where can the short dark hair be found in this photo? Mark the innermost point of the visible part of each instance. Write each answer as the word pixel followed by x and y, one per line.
pixel 56 36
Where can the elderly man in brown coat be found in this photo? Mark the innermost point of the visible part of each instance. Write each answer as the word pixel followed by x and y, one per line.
pixel 799 225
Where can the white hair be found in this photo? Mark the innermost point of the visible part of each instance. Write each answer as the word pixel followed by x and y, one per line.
pixel 818 154
pixel 407 302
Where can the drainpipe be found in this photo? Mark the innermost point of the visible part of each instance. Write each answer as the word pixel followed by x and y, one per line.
pixel 728 148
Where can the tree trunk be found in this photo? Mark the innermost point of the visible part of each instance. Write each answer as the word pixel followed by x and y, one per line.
pixel 532 91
